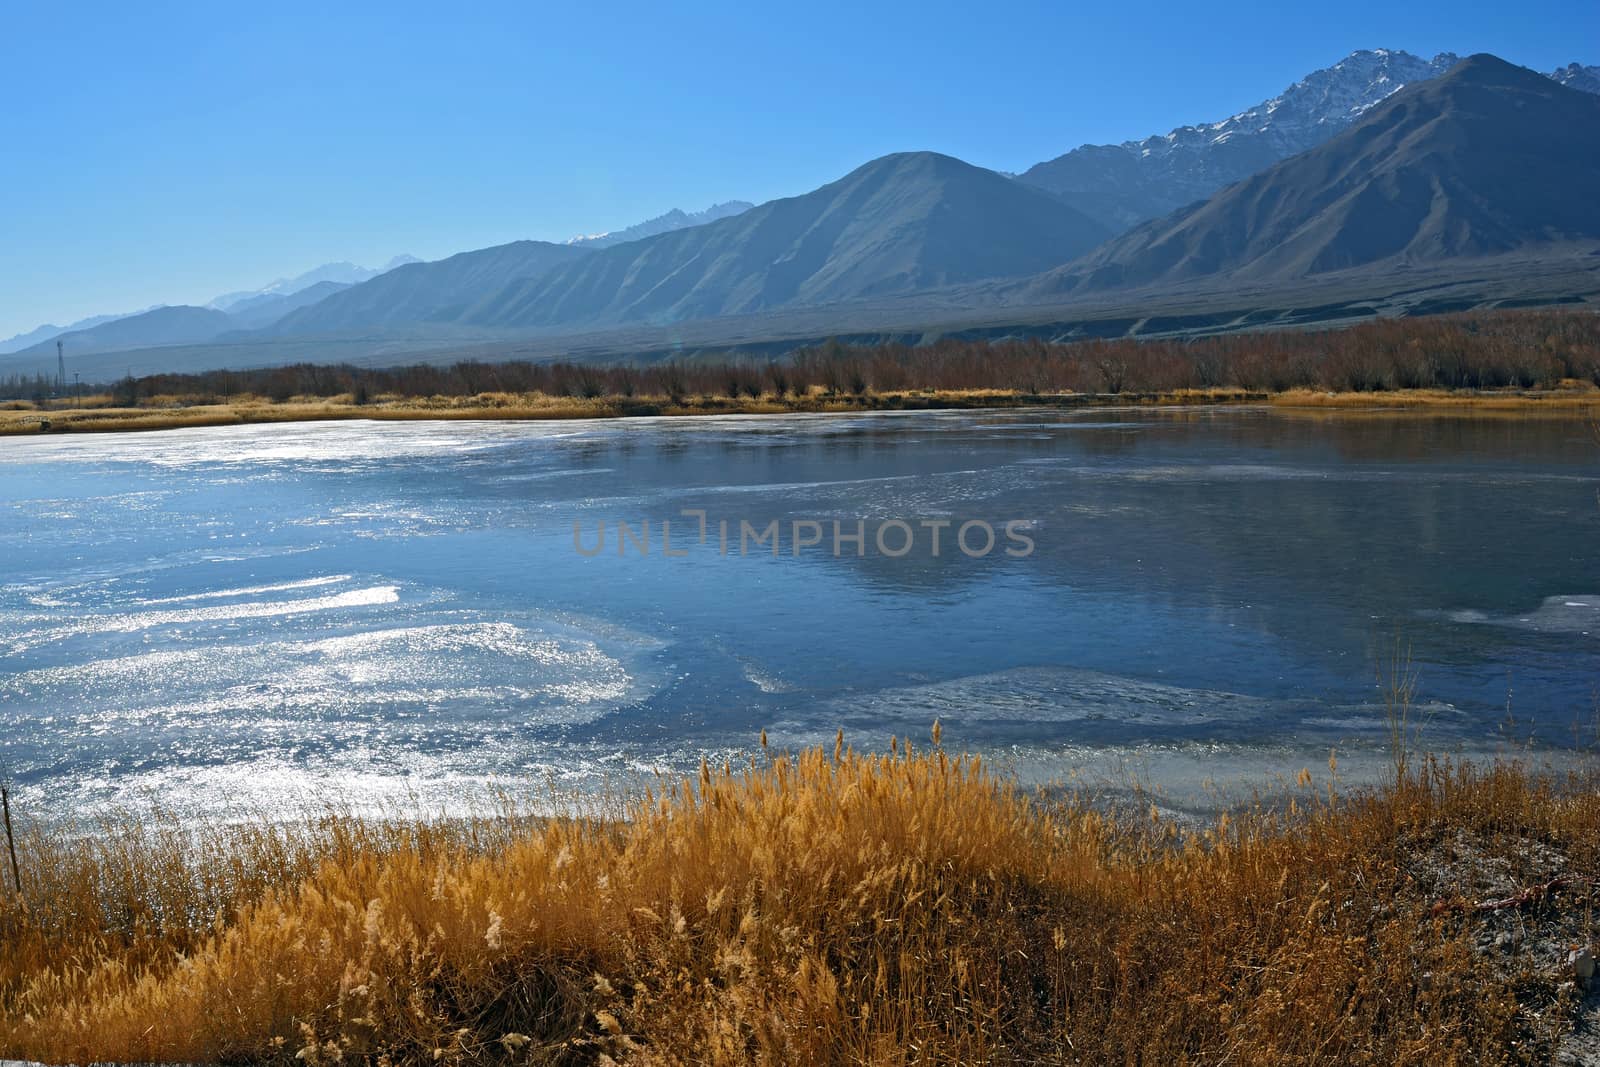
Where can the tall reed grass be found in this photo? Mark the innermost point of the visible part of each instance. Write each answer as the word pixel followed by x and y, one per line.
pixel 811 908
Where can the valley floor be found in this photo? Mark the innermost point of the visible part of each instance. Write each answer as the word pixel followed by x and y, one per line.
pixel 103 414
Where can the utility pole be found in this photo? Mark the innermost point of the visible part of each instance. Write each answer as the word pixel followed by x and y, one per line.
pixel 11 842
pixel 61 369
pixel 77 390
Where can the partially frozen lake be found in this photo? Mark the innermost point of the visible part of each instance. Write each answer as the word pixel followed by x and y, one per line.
pixel 400 610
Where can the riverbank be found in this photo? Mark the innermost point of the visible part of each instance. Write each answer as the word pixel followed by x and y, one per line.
pixel 830 907
pixel 104 414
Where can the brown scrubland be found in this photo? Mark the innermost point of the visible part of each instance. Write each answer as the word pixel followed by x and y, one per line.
pixel 1545 360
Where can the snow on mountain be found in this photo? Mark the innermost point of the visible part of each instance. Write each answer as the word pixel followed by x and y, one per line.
pixel 343 273
pixel 1310 110
pixel 1125 184
pixel 1489 159
pixel 1578 76
pixel 672 220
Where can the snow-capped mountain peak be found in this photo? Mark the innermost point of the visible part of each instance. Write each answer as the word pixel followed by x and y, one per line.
pixel 1127 183
pixel 1311 109
pixel 1578 76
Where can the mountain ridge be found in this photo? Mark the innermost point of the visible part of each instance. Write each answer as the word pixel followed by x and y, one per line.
pixel 937 232
pixel 1488 159
pixel 343 272
pixel 1578 76
pixel 172 324
pixel 247 305
pixel 1137 180
pixel 903 221
pixel 435 291
pixel 676 219
pixel 49 331
pixel 267 308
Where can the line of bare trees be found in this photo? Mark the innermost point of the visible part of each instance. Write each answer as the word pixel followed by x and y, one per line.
pixel 1492 350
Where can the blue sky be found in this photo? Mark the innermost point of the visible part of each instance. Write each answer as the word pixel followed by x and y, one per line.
pixel 166 153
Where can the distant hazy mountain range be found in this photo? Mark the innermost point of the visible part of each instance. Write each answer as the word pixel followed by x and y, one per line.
pixel 672 220
pixel 160 326
pixel 1380 165
pixel 250 309
pixel 47 332
pixel 260 308
pixel 341 274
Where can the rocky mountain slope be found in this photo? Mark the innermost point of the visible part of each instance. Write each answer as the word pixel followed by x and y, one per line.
pixel 1124 184
pixel 1489 159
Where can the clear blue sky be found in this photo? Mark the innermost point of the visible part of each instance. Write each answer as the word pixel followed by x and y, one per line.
pixel 165 153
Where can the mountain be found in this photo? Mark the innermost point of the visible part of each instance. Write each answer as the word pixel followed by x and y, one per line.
pixel 251 307
pixel 1343 172
pixel 263 309
pixel 906 222
pixel 48 332
pixel 342 273
pixel 439 291
pixel 672 220
pixel 1574 76
pixel 161 326
pixel 1488 159
pixel 1124 184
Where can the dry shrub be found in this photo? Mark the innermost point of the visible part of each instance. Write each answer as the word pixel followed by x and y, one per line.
pixel 1492 351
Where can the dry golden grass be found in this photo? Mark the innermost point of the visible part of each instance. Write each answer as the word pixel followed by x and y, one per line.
pixel 829 907
pixel 101 413
pixel 1579 398
pixel 163 413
